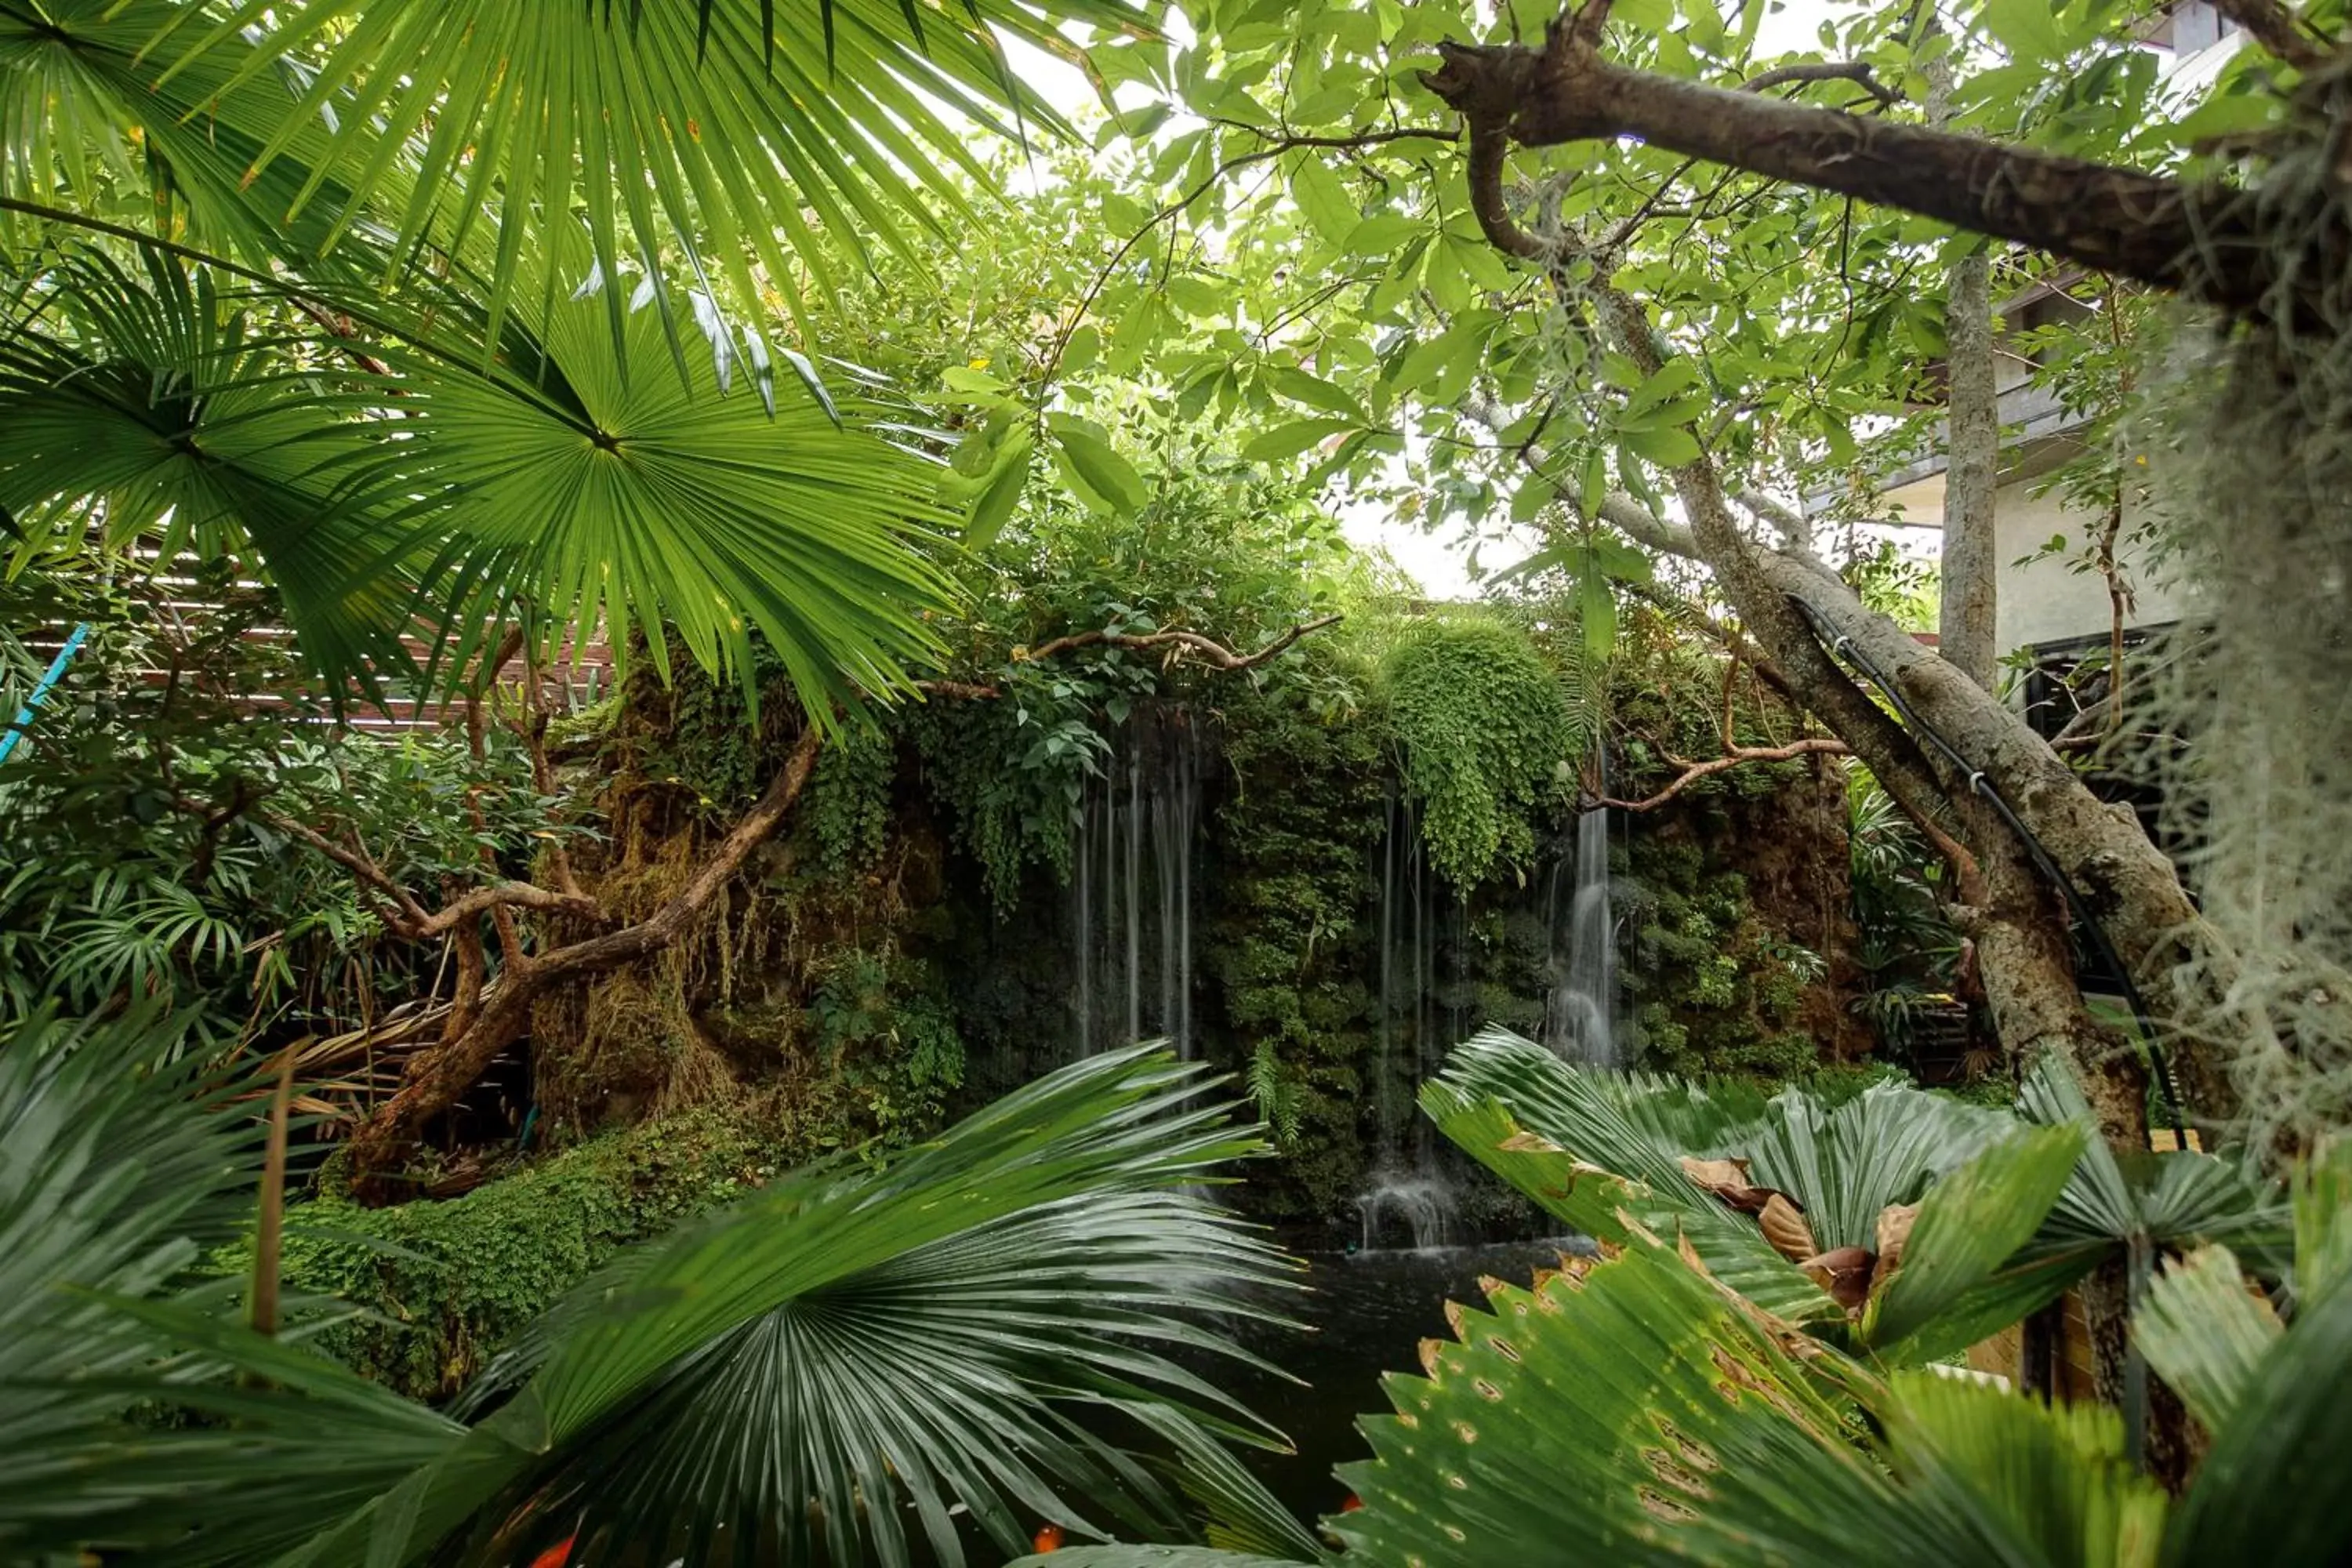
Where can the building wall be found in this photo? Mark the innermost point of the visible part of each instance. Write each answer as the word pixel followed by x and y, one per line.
pixel 2043 598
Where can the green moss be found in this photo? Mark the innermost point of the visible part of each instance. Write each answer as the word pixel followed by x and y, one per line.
pixel 1718 991
pixel 445 1284
pixel 1288 945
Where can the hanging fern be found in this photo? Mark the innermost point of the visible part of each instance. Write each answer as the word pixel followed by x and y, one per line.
pixel 1483 734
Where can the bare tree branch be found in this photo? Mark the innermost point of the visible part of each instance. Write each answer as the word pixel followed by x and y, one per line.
pixel 1210 650
pixel 2200 239
pixel 1815 747
pixel 1858 72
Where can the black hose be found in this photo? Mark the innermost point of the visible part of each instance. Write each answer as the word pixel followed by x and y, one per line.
pixel 1838 644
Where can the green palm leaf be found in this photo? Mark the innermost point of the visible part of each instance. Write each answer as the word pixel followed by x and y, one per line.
pixel 1957 1284
pixel 1606 1416
pixel 737 130
pixel 2270 1483
pixel 2205 1332
pixel 1628 1412
pixel 616 498
pixel 442 492
pixel 1604 1141
pixel 82 115
pixel 836 1368
pixel 116 1168
pixel 2178 1200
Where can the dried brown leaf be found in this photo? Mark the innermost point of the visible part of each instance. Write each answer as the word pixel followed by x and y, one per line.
pixel 1785 1228
pixel 1844 1272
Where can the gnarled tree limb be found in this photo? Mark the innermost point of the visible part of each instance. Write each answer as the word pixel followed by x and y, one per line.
pixel 1738 757
pixel 1210 650
pixel 2198 239
pixel 2273 26
pixel 434 1077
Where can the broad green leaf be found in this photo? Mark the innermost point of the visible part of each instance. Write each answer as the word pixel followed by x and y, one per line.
pixel 1592 1200
pixel 2323 1220
pixel 1314 392
pixel 1286 441
pixel 1106 475
pixel 1596 613
pixel 1383 232
pixel 2271 1486
pixel 1592 1418
pixel 2001 1477
pixel 1669 446
pixel 1323 198
pixel 1969 1224
pixel 2027 28
pixel 1151 1557
pixel 1001 496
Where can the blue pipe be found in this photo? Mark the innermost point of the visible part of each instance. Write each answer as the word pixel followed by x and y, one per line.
pixel 55 673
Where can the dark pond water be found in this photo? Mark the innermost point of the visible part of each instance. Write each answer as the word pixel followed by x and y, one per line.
pixel 1369 1312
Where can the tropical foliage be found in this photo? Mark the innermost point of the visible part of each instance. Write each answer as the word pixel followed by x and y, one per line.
pixel 982 1331
pixel 1656 1403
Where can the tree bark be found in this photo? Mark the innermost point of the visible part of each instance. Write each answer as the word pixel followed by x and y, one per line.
pixel 437 1075
pixel 1968 625
pixel 2128 885
pixel 2198 239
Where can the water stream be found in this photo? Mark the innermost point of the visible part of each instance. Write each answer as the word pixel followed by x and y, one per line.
pixel 1134 840
pixel 1581 1009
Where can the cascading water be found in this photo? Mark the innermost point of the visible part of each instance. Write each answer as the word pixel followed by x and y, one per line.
pixel 1408 1196
pixel 1580 1008
pixel 1132 845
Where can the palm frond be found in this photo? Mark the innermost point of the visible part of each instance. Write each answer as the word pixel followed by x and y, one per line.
pixel 438 492
pixel 1003 1326
pixel 117 1167
pixel 735 132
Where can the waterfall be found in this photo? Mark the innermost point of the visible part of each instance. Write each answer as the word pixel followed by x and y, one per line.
pixel 1418 1210
pixel 1409 1198
pixel 1133 837
pixel 1581 1009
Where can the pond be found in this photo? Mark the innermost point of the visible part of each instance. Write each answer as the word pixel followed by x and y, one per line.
pixel 1369 1312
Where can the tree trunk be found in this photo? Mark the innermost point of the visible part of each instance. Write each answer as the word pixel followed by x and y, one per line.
pixel 1967 629
pixel 2128 884
pixel 2200 239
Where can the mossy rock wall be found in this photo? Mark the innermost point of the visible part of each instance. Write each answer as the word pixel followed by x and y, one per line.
pixel 444 1285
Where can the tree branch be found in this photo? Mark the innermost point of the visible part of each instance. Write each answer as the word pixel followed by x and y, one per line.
pixel 436 1077
pixel 1815 747
pixel 2195 240
pixel 2273 26
pixel 1858 72
pixel 1215 652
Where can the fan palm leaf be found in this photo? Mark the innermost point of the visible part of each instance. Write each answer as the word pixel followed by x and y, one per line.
pixel 844 1363
pixel 85 120
pixel 1611 1153
pixel 117 1167
pixel 729 130
pixel 433 490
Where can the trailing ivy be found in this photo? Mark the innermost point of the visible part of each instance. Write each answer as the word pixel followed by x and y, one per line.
pixel 1483 736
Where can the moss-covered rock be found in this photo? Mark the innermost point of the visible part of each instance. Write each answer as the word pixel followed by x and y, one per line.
pixel 445 1284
